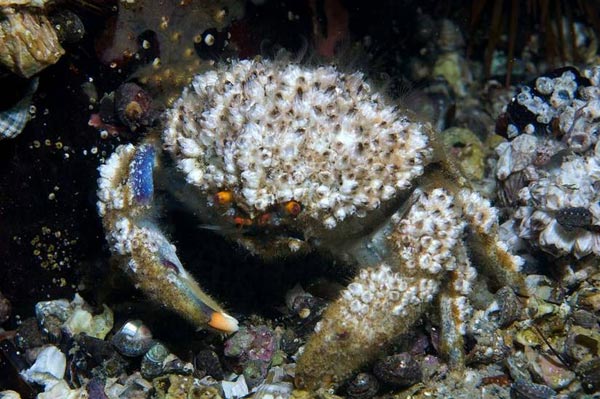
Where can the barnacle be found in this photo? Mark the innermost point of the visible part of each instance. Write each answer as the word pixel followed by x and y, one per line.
pixel 28 41
pixel 556 206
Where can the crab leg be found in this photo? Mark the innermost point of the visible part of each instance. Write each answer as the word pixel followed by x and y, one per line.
pixel 385 301
pixel 422 252
pixel 126 191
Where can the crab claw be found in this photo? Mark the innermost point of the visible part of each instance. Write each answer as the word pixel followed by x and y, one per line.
pixel 163 277
pixel 126 190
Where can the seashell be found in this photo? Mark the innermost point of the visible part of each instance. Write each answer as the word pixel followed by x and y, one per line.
pixel 589 374
pixel 49 367
pixel 59 308
pixel 14 119
pixel 509 307
pixel 522 389
pixel 153 361
pixel 508 189
pixel 304 304
pixel 133 106
pixel 82 321
pixel 363 386
pixel 9 395
pixel 399 370
pixel 25 3
pixel 28 41
pixel 235 389
pixel 133 339
pixel 275 390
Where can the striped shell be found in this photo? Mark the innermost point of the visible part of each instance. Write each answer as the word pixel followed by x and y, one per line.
pixel 14 119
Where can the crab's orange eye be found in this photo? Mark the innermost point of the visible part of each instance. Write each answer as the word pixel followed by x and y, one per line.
pixel 240 221
pixel 223 198
pixel 292 208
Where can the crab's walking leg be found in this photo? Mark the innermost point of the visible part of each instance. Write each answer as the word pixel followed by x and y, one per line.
pixel 455 309
pixel 385 301
pixel 491 254
pixel 126 189
pixel 425 256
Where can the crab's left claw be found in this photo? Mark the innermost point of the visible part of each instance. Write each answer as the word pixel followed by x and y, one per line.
pixel 126 190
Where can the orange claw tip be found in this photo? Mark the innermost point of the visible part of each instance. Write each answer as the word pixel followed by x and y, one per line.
pixel 223 198
pixel 223 322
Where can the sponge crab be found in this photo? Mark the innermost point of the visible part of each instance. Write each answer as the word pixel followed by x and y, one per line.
pixel 287 158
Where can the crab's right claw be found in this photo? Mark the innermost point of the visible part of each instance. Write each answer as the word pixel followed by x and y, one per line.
pixel 125 195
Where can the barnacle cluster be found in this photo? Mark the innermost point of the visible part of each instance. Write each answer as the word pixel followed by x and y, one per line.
pixel 550 169
pixel 28 41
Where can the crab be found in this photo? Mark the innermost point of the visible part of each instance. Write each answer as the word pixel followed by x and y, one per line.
pixel 285 159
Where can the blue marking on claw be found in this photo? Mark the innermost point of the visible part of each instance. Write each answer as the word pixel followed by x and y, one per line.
pixel 140 174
